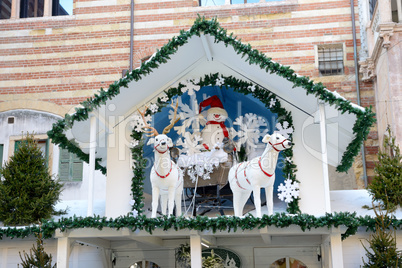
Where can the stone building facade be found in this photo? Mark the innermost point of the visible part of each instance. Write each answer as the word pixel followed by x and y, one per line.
pixel 380 61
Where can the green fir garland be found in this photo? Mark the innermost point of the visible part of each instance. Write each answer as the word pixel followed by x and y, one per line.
pixel 201 223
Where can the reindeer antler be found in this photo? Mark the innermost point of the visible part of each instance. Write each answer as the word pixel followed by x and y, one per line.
pixel 174 119
pixel 153 132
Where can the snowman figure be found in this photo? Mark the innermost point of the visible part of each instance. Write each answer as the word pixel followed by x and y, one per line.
pixel 215 130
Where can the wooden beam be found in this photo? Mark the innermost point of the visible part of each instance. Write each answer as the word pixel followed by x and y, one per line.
pixel 206 48
pixel 150 240
pixel 90 233
pixel 95 242
pixel 209 240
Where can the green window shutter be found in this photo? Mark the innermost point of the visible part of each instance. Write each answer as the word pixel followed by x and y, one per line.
pixel 70 166
pixel 77 168
pixel 64 165
pixel 1 154
pixel 16 145
pixel 77 171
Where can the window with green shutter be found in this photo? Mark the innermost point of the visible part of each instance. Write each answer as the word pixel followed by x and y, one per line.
pixel 70 167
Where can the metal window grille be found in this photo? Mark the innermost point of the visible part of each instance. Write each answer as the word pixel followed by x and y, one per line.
pixel 330 60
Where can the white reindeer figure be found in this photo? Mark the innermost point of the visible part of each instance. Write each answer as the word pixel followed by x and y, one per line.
pixel 166 177
pixel 251 176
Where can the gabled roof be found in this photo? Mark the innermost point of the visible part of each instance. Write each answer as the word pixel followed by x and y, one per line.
pixel 204 49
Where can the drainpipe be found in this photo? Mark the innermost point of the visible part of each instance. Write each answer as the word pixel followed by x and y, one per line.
pixel 131 35
pixel 352 7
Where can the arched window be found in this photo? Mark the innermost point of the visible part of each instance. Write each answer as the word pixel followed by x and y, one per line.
pixel 287 263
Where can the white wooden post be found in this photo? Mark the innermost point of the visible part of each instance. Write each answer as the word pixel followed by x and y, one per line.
pixel 91 175
pixel 63 252
pixel 336 249
pixel 325 254
pixel 195 249
pixel 324 156
pixel 3 263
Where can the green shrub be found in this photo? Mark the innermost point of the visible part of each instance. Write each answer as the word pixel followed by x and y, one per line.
pixel 37 257
pixel 386 186
pixel 28 193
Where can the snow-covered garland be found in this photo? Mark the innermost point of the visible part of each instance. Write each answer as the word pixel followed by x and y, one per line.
pixel 284 126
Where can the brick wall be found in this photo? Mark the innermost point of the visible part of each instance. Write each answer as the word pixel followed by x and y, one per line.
pixel 63 60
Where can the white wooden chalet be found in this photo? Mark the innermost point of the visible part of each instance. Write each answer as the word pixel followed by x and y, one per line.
pixel 327 133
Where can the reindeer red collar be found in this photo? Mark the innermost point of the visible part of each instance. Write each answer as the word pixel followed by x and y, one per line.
pixel 166 178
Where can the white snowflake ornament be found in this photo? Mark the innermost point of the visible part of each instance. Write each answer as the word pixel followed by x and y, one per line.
pixel 164 97
pixel 284 129
pixel 251 128
pixel 153 107
pixel 251 88
pixel 220 81
pixel 134 143
pixel 289 191
pixel 189 117
pixel 138 128
pixel 272 102
pixel 148 118
pixel 189 86
pixel 135 212
pixel 136 120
